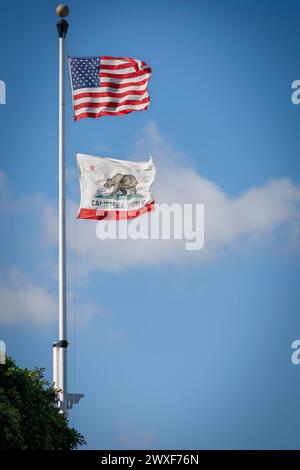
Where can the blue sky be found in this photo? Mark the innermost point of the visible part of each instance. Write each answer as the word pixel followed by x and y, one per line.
pixel 174 349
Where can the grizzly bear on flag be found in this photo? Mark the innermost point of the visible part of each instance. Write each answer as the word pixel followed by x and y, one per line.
pixel 124 183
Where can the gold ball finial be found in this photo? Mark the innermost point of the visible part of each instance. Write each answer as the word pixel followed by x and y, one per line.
pixel 62 10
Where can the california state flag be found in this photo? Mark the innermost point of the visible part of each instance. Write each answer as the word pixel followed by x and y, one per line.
pixel 114 189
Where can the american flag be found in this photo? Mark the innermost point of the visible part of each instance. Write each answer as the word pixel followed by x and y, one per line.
pixel 108 86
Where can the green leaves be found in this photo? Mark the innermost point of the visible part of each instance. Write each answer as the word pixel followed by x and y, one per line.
pixel 29 416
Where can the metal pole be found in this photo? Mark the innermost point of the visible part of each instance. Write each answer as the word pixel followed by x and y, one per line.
pixel 60 355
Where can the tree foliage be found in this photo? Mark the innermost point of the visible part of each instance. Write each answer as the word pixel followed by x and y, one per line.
pixel 29 414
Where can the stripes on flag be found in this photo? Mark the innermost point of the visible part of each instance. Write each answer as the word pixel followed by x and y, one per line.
pixel 108 86
pixel 98 214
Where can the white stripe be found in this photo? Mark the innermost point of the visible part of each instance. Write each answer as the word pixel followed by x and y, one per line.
pixel 123 89
pixel 119 71
pixel 125 80
pixel 115 110
pixel 105 99
pixel 114 61
pixel 111 90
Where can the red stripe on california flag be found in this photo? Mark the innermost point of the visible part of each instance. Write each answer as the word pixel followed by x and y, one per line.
pixel 96 214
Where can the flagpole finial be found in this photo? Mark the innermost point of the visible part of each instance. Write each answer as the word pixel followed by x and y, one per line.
pixel 62 10
pixel 62 25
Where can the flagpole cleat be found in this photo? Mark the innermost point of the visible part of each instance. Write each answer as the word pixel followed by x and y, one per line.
pixel 73 399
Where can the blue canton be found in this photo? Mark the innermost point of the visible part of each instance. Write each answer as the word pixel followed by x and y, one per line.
pixel 85 72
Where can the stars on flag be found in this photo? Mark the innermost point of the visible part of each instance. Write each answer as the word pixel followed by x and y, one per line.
pixel 85 72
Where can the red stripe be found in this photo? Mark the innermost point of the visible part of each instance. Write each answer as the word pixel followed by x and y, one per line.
pixel 126 65
pixel 123 85
pixel 109 93
pixel 120 76
pixel 127 60
pixel 107 113
pixel 95 214
pixel 110 104
pixel 109 57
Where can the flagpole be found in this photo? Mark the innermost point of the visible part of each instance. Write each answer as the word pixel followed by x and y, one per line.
pixel 60 347
pixel 66 400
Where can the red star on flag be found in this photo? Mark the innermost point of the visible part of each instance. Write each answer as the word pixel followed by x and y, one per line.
pixel 92 167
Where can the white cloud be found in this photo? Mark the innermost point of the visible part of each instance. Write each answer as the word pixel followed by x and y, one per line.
pixel 255 215
pixel 23 301
pixel 260 214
